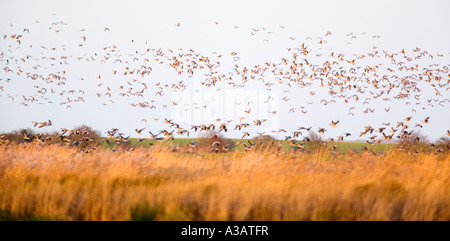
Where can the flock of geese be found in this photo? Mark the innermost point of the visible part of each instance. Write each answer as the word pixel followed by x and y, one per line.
pixel 354 80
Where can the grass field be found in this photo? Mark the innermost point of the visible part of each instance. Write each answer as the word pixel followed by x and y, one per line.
pixel 341 146
pixel 55 182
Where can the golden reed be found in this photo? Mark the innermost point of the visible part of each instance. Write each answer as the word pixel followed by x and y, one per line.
pixel 61 183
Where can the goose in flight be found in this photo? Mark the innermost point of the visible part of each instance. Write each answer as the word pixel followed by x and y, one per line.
pixel 44 124
pixel 139 131
pixel 334 123
pixel 155 137
pixel 27 137
pixel 192 144
pixel 322 130
pixel 216 150
pixel 223 127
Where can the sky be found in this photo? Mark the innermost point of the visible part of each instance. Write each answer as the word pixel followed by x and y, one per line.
pixel 212 28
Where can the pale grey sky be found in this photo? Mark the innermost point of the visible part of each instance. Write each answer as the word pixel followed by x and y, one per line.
pixel 152 24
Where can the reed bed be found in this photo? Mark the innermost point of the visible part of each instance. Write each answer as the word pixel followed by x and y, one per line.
pixel 56 182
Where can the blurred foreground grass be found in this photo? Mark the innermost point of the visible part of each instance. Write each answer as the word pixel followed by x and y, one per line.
pixel 56 182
